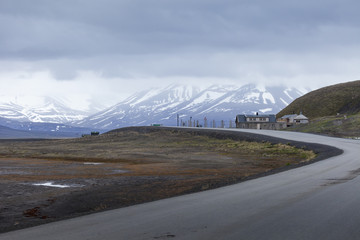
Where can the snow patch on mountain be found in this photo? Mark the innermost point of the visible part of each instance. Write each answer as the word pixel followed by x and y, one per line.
pixel 286 103
pixel 265 110
pixel 286 91
pixel 267 96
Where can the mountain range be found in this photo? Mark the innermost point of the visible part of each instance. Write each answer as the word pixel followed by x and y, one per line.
pixel 171 105
pixel 215 103
pixel 48 110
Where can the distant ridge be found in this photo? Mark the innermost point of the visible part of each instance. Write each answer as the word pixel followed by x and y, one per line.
pixel 9 133
pixel 15 129
pixel 343 98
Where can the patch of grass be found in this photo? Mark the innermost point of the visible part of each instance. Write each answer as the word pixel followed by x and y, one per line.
pixel 339 126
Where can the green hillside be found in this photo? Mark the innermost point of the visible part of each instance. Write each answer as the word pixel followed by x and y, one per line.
pixel 341 98
pixel 338 126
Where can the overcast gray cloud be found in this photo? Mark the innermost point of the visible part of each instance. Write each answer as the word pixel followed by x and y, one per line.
pixel 132 43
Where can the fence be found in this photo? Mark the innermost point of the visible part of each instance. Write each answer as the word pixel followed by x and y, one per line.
pixel 207 124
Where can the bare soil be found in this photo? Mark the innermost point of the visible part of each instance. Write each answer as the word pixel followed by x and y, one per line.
pixel 131 166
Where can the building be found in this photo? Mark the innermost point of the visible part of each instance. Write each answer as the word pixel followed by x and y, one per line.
pixel 288 119
pixel 292 119
pixel 301 119
pixel 258 122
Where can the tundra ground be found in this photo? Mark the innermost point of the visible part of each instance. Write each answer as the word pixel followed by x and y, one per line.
pixel 50 180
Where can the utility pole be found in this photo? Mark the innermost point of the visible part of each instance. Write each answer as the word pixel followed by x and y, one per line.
pixel 177 119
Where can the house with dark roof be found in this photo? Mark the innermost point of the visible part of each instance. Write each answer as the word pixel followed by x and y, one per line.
pixel 258 121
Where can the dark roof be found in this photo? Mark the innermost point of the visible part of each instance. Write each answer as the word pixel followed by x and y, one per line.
pixel 242 117
pixel 260 115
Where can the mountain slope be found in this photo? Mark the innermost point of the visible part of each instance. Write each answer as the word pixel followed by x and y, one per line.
pixel 341 98
pixel 47 110
pixel 215 103
pixel 141 108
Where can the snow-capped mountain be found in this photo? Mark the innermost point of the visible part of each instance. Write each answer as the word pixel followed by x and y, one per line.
pixel 142 108
pixel 46 109
pixel 216 103
pixel 161 106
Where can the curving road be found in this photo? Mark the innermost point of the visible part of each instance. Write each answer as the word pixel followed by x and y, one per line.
pixel 317 201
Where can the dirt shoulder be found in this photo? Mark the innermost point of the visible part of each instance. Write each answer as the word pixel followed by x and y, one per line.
pixel 133 165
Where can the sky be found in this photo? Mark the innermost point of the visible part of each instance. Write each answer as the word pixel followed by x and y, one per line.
pixel 105 50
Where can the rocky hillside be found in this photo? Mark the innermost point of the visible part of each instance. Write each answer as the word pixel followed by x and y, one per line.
pixel 341 98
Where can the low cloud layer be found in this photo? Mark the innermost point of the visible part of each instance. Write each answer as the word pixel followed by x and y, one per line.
pixel 120 46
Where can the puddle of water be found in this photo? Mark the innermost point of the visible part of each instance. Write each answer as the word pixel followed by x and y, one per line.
pixel 119 171
pixel 51 184
pixel 92 163
pixel 11 172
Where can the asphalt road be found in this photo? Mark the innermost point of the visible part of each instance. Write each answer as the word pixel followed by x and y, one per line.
pixel 317 201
